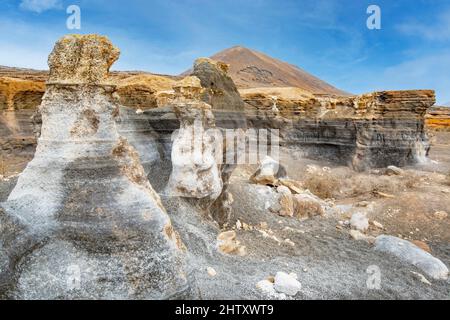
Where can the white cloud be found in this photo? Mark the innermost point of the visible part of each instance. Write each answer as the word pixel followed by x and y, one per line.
pixel 40 6
pixel 438 31
pixel 426 72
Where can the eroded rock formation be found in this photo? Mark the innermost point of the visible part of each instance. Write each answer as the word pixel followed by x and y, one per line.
pixel 195 171
pixel 19 99
pixel 372 130
pixel 438 118
pixel 83 220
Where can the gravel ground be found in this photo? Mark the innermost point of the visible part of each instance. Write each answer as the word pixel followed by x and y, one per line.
pixel 329 264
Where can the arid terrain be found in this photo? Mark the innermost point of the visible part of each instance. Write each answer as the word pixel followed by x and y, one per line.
pixel 90 175
pixel 329 263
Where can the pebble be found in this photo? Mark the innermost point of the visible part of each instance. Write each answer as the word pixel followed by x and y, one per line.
pixel 441 215
pixel 211 272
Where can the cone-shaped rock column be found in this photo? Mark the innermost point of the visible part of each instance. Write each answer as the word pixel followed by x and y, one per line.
pixel 195 171
pixel 83 220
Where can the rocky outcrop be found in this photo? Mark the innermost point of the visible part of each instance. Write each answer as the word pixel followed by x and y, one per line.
pixel 220 92
pixel 19 94
pixel 83 220
pixel 195 171
pixel 438 118
pixel 372 130
pixel 141 91
pixel 19 99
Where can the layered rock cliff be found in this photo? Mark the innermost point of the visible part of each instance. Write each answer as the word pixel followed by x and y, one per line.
pixel 438 118
pixel 83 220
pixel 19 99
pixel 371 130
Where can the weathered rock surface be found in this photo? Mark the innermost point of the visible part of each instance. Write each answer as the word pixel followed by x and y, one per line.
pixel 19 99
pixel 268 172
pixel 195 170
pixel 221 93
pixel 83 220
pixel 359 221
pixel 228 244
pixel 410 253
pixel 287 284
pixel 141 91
pixel 373 130
pixel 438 118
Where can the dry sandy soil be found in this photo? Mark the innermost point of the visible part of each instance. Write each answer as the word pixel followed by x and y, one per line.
pixel 328 262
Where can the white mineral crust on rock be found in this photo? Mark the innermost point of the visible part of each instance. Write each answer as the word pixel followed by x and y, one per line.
pixel 195 150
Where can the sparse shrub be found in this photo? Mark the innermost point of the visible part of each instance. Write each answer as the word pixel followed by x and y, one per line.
pixel 363 184
pixel 447 181
pixel 412 180
pixel 325 186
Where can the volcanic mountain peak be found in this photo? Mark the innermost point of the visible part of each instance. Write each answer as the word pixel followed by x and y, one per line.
pixel 252 69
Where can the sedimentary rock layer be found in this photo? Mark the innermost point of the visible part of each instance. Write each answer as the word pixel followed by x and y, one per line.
pixel 83 220
pixel 438 118
pixel 19 99
pixel 371 130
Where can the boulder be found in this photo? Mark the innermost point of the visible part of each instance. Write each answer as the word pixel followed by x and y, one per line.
pixel 268 172
pixel 286 208
pixel 287 284
pixel 394 171
pixel 359 221
pixel 83 220
pixel 307 204
pixel 410 253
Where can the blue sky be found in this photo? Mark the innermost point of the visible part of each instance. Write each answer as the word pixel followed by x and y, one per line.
pixel 328 38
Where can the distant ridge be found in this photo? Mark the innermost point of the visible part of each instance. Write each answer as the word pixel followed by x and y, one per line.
pixel 253 69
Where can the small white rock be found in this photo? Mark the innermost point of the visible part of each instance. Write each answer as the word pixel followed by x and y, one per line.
pixel 287 284
pixel 359 221
pixel 289 242
pixel 267 287
pixel 377 224
pixel 211 272
pixel 421 278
